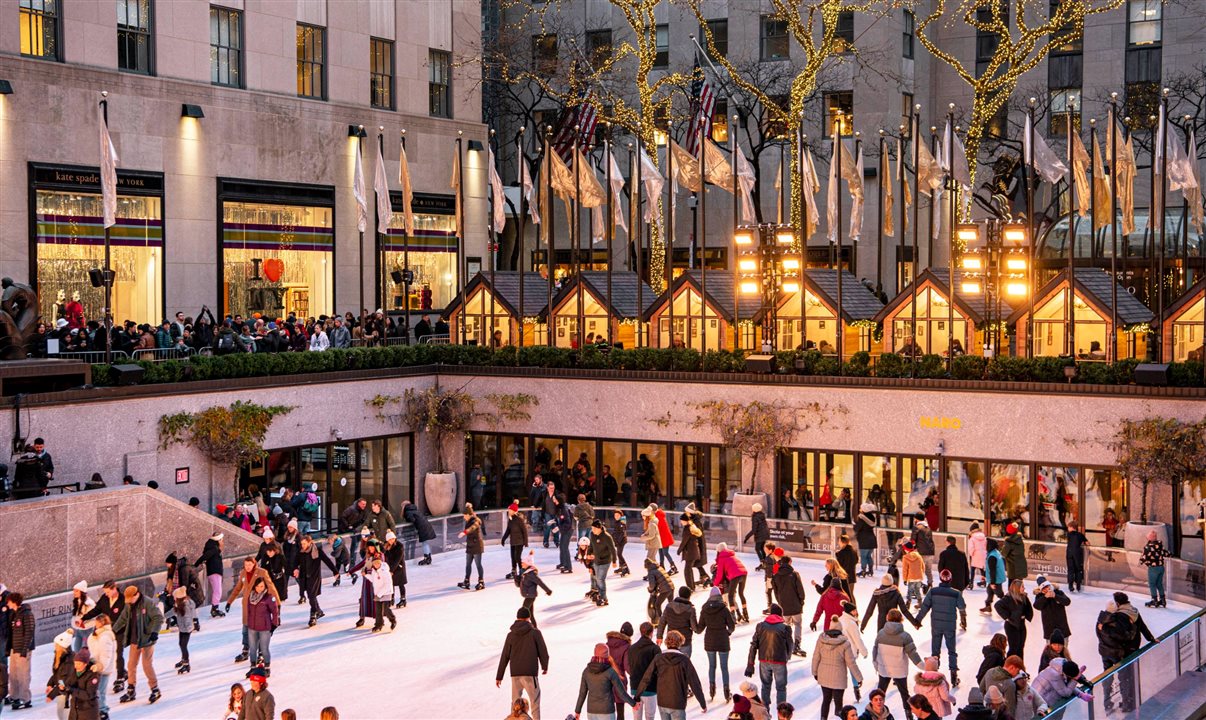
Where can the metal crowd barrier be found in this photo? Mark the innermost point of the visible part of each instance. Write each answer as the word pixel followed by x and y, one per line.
pixel 436 340
pixel 90 356
pixel 160 354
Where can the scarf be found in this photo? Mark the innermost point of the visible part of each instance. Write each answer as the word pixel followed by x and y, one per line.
pixel 256 597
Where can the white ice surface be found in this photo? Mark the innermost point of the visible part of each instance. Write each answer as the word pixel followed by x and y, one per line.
pixel 441 661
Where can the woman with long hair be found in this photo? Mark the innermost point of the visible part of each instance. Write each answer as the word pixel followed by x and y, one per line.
pixel 234 704
pixel 1015 609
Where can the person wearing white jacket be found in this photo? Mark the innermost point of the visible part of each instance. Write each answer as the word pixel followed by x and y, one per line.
pixel 103 646
pixel 81 605
pixel 849 625
pixel 383 595
pixel 319 340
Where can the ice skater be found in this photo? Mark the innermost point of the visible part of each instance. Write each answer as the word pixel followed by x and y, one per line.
pixel 474 547
pixel 528 581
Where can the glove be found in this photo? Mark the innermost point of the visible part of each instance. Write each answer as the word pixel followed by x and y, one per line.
pixel 227 607
pixel 548 592
pixel 749 671
pixel 813 627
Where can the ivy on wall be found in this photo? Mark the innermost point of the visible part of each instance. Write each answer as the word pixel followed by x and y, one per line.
pixel 227 435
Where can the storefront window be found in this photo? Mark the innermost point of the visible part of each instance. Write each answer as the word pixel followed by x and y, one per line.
pixel 370 461
pixel 1105 506
pixel 1188 515
pixel 513 469
pixel 277 260
pixel 837 487
pixel 1009 496
pixel 1058 501
pixel 431 254
pixel 69 236
pixel 617 456
pixel 594 317
pixel 548 450
pixel 920 476
pixel 1187 333
pixel 880 488
pixel 652 472
pixel 964 495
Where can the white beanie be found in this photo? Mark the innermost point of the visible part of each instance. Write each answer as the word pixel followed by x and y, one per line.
pixel 646 513
pixel 867 507
pixel 389 535
pixel 268 534
pixel 64 638
pixel 82 586
pixel 721 547
pixel 756 507
pixel 292 523
pixel 216 536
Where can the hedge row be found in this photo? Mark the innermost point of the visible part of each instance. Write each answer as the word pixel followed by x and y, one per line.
pixel 967 367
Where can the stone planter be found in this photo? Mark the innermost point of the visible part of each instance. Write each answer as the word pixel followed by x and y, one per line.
pixel 439 493
pixel 1135 537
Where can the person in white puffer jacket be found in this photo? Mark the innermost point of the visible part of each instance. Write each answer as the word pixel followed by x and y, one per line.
pixel 383 595
pixel 102 643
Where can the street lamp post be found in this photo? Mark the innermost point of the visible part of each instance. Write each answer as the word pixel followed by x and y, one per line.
pixel 767 267
pixel 996 267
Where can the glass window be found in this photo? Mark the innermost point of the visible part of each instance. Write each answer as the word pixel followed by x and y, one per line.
pixel 512 470
pixel 662 40
pixel 277 260
pixel 719 32
pixel 689 475
pixel 839 111
pixel 483 449
pixel 795 476
pixel 987 40
pixel 134 51
pixel 315 465
pixel 879 487
pixel 343 491
pixel 836 487
pixel 652 471
pixel 720 122
pixel 598 47
pixel 617 460
pixel 369 464
pixel 225 47
pixel 1143 20
pixel 964 495
pixel 39 21
pixel 774 42
pixel 1189 511
pixel 546 453
pixel 1058 501
pixel 919 476
pixel 431 255
pixel 1106 507
pixel 1187 332
pixel 580 459
pixel 1009 496
pixel 311 61
pixel 1074 40
pixel 843 33
pixel 544 54
pixel 909 34
pixel 906 116
pixel 381 73
pixel 69 241
pixel 1065 104
pixel 439 84
pixel 933 315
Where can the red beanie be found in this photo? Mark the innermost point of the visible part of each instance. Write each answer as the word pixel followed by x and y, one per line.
pixel 778 552
pixel 1011 529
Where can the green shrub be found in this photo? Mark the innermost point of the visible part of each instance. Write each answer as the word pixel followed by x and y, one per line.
pixel 891 365
pixel 1096 373
pixel 723 361
pixel 1186 374
pixel 591 358
pixel 824 365
pixel 930 367
pixel 968 367
pixel 859 365
pixel 1050 369
pixel 1004 367
pixel 544 356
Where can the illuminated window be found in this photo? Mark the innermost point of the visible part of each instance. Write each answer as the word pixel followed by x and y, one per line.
pixel 775 45
pixel 40 29
pixel 662 38
pixel 381 73
pixel 544 54
pixel 225 47
pixel 134 51
pixel 772 125
pixel 1143 22
pixel 311 61
pixel 719 32
pixel 1073 39
pixel 1065 102
pixel 720 122
pixel 839 113
pixel 906 113
pixel 598 47
pixel 843 32
pixel 439 83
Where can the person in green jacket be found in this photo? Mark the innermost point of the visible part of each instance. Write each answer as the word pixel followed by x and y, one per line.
pixel 1014 552
pixel 139 623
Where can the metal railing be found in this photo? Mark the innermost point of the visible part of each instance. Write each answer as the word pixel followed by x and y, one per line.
pixel 90 356
pixel 159 354
pixel 435 340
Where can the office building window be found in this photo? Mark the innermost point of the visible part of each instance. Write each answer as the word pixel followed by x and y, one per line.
pixel 987 41
pixel 843 32
pixel 39 23
pixel 225 47
pixel 909 35
pixel 1065 104
pixel 311 61
pixel 839 113
pixel 134 51
pixel 720 122
pixel 439 83
pixel 906 114
pixel 1072 40
pixel 381 73
pixel 1143 22
pixel 774 42
pixel 719 31
pixel 544 54
pixel 598 47
pixel 662 38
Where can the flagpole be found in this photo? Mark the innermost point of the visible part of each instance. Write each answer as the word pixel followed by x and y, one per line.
pixel 1093 176
pixel 733 148
pixel 952 202
pixel 837 250
pixel 637 201
pixel 702 240
pixel 460 229
pixel 879 218
pixel 488 333
pixel 577 227
pixel 839 334
pixel 548 223
pixel 1158 335
pixel 669 241
pixel 360 152
pixel 406 272
pixel 610 225
pixel 1184 252
pixel 1071 308
pixel 1113 140
pixel 801 138
pixel 107 274
pixel 1028 165
pixel 934 216
pixel 904 210
pixel 916 138
pixel 523 211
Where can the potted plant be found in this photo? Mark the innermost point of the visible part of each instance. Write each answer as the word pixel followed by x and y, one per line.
pixel 1156 453
pixel 754 430
pixel 229 436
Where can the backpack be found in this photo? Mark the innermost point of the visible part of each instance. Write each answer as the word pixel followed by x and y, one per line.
pixel 226 341
pixel 1121 631
pixel 311 504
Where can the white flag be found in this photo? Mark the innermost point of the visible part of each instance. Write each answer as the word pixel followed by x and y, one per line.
pixel 359 192
pixel 597 216
pixel 779 192
pixel 1041 157
pixel 956 154
pixel 108 171
pixel 455 184
pixel 746 180
pixel 716 167
pixel 385 209
pixel 525 181
pixel 1156 213
pixel 852 173
pixel 885 178
pixel 1180 167
pixel 811 185
pixel 831 194
pixel 1193 193
pixel 408 213
pixel 617 192
pixel 653 182
pixel 1080 176
pixel 930 173
pixel 497 198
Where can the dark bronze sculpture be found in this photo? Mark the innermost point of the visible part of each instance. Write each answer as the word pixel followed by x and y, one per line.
pixel 18 319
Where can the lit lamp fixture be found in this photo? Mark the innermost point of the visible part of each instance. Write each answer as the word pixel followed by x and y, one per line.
pixel 356 131
pixel 6 87
pixel 999 268
pixel 192 111
pixel 476 146
pixel 766 267
pixel 744 237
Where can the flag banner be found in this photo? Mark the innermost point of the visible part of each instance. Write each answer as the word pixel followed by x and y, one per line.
pixel 1080 176
pixel 1101 189
pixel 1157 200
pixel 716 167
pixel 811 186
pixel 686 169
pixel 1193 192
pixel 583 117
pixel 598 218
pixel 497 199
pixel 385 209
pixel 108 172
pixel 852 173
pixel 654 183
pixel 525 182
pixel 456 189
pixel 779 192
pixel 746 180
pixel 929 173
pixel 617 192
pixel 360 192
pixel 1041 157
pixel 1180 167
pixel 408 213
pixel 831 193
pixel 703 103
pixel 885 177
pixel 1122 154
pixel 562 177
pixel 903 176
pixel 590 190
pixel 956 154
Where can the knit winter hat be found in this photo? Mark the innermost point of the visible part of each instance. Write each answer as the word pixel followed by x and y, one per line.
pixel 365 532
pixel 747 689
pixel 64 638
pixel 722 547
pixel 1057 637
pixel 82 585
pixel 849 607
pixel 945 575
pixel 597 524
pixel 523 614
pixel 778 552
pixel 775 609
pixel 715 592
pixel 513 506
pixel 170 559
pixel 268 534
pixel 83 656
pixel 975 696
pixel 257 674
pixel 292 523
pixel 741 704
pixel 690 508
pixel 646 513
pixel 1071 670
pixel 756 507
pixel 1011 529
pixel 909 545
pixel 885 581
pixel 389 535
pixel 867 507
pixel 626 629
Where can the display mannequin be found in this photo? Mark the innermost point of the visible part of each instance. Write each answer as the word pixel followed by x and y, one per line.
pixel 60 304
pixel 74 312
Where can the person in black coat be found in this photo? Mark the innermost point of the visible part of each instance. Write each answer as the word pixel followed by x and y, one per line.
pixel 673 676
pixel 759 531
pixel 848 559
pixel 864 534
pixel 395 559
pixel 517 534
pixel 528 582
pixel 310 560
pixel 211 559
pixel 352 519
pixel 274 564
pixel 789 592
pixel 110 604
pixel 994 655
pixel 21 647
pixel 641 655
pixel 1051 603
pixel 412 515
pixel 1015 609
pixel 1075 553
pixel 528 657
pixel 619 535
pixel 661 588
pixel 716 624
pixel 953 560
pixel 886 597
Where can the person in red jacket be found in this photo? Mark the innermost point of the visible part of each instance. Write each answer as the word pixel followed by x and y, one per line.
pixel 730 576
pixel 663 528
pixel 830 604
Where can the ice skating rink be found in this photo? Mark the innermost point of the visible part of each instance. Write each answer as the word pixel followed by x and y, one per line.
pixel 441 660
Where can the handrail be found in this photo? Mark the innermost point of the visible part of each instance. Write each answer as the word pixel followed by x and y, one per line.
pixel 160 354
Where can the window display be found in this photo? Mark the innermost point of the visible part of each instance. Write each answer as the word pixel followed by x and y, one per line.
pixel 933 317
pixel 1009 496
pixel 277 260
pixel 1058 501
pixel 431 254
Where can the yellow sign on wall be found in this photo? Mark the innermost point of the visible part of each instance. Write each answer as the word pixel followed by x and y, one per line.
pixel 936 422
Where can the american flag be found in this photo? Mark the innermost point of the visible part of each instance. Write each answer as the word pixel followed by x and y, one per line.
pixel 703 100
pixel 584 116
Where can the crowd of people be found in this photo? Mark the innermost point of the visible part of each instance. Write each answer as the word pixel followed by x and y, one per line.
pixel 110 647
pixel 234 333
